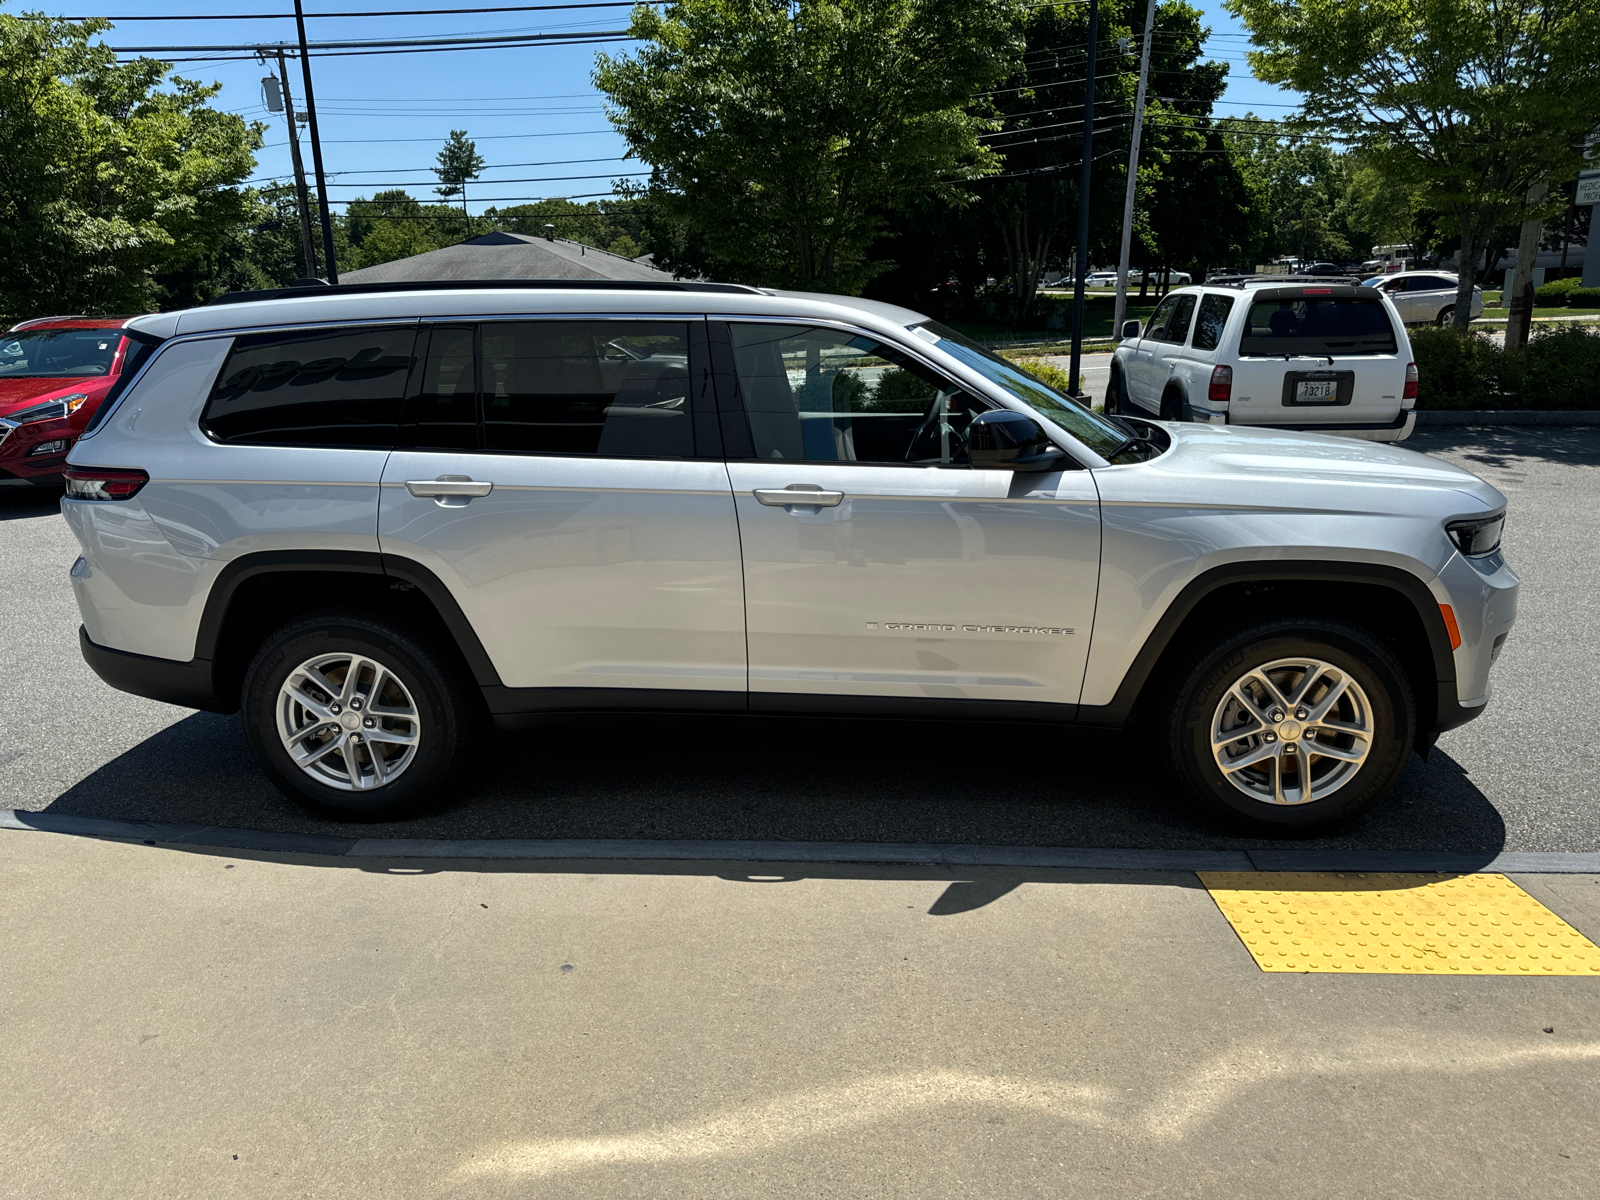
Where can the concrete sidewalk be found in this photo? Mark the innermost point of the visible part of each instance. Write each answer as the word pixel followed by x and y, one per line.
pixel 210 1023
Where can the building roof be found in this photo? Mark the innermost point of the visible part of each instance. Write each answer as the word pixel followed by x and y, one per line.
pixel 508 256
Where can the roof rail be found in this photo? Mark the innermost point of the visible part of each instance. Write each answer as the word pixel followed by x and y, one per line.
pixel 1240 281
pixel 455 285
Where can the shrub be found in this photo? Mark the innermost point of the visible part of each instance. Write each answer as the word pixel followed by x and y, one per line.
pixel 899 391
pixel 1559 369
pixel 1046 373
pixel 1557 292
pixel 1455 369
pixel 1584 297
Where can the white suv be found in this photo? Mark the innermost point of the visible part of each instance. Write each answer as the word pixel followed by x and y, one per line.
pixel 382 521
pixel 1314 356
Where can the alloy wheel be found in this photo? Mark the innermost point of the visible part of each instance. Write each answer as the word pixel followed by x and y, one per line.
pixel 1292 731
pixel 348 722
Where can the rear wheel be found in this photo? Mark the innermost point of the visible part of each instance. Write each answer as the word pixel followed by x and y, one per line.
pixel 1290 727
pixel 1446 316
pixel 1172 407
pixel 353 717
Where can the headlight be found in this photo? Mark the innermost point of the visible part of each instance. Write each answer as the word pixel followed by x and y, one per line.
pixel 1477 537
pixel 51 410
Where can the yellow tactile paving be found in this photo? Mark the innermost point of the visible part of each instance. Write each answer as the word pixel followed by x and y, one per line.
pixel 1391 924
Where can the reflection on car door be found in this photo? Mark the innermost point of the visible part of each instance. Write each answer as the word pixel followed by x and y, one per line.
pixel 563 478
pixel 877 564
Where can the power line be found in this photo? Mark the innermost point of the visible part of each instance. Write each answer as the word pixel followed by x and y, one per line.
pixel 370 44
pixel 406 12
pixel 556 162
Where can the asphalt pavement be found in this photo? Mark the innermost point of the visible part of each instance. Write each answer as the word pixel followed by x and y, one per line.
pixel 1522 778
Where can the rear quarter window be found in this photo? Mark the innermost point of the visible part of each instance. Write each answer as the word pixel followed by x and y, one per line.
pixel 1212 318
pixel 342 388
pixel 1318 326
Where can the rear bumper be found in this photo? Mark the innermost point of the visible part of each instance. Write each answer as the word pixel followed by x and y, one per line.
pixel 186 684
pixel 1396 430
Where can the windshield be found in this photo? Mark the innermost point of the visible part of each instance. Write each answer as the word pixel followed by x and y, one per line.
pixel 57 353
pixel 1100 435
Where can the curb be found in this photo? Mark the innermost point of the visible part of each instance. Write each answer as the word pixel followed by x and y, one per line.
pixel 899 853
pixel 1506 416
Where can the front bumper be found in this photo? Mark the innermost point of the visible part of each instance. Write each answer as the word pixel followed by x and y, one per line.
pixel 20 465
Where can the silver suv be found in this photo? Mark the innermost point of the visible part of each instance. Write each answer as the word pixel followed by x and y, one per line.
pixel 381 521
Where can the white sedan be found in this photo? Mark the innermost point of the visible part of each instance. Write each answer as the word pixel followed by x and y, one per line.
pixel 1424 297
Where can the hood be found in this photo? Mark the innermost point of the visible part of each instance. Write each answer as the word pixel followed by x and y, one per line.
pixel 24 393
pixel 1317 463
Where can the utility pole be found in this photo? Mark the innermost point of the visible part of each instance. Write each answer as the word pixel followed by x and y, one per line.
pixel 316 145
pixel 1081 259
pixel 1518 292
pixel 302 201
pixel 1123 263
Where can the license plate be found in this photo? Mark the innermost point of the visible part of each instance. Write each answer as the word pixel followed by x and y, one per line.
pixel 1315 391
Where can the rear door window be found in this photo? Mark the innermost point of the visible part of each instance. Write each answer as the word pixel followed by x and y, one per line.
pixel 1317 326
pixel 1214 312
pixel 342 387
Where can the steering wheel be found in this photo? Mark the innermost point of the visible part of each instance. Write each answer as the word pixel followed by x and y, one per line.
pixel 933 423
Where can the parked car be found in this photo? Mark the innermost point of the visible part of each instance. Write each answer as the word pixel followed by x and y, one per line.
pixel 1424 297
pixel 1322 268
pixel 54 372
pixel 379 520
pixel 1314 357
pixel 1108 279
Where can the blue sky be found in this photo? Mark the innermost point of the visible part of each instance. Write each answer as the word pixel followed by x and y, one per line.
pixel 533 111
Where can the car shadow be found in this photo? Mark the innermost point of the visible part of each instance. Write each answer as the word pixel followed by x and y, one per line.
pixel 1503 447
pixel 19 503
pixel 778 779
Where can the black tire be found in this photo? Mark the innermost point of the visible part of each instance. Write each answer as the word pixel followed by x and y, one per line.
pixel 1114 403
pixel 1172 407
pixel 1446 316
pixel 1195 700
pixel 434 689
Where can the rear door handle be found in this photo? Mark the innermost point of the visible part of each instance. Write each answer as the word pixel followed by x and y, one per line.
pixel 798 493
pixel 448 487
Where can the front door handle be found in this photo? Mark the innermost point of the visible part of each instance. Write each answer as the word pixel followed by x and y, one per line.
pixel 449 490
pixel 448 485
pixel 798 493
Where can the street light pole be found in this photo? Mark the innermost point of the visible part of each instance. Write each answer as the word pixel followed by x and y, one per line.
pixel 1121 308
pixel 1081 259
pixel 316 146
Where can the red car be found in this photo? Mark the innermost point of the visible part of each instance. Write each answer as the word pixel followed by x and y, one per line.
pixel 54 372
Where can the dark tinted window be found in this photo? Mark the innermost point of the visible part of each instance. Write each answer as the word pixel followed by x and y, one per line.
pixel 1317 326
pixel 1178 326
pixel 1429 283
pixel 1214 312
pixel 823 395
pixel 342 388
pixel 617 388
pixel 447 403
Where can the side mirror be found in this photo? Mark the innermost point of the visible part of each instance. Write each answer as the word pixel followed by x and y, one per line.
pixel 1002 440
pixel 1130 329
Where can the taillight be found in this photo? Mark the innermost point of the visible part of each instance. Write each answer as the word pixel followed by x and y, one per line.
pixel 1221 389
pixel 104 483
pixel 1411 382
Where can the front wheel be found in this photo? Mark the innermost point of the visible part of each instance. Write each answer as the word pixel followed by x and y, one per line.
pixel 355 717
pixel 1114 401
pixel 1291 727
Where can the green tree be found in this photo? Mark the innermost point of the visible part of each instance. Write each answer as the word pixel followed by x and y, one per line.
pixel 393 224
pixel 1472 101
pixel 111 180
pixel 459 163
pixel 778 134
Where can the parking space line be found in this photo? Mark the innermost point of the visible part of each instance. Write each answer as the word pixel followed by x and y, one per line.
pixel 1397 924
